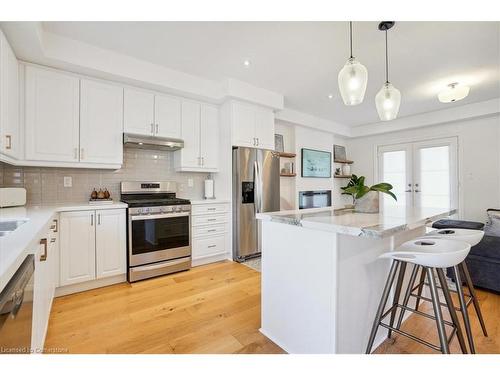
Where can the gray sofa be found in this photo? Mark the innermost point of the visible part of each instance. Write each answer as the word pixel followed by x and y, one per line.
pixel 483 260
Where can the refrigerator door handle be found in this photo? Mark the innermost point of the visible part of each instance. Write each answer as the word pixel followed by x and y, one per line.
pixel 257 187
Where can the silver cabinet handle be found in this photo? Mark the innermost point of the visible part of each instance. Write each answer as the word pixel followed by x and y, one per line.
pixel 75 153
pixel 98 219
pixel 9 145
pixel 92 220
pixel 157 129
pixel 81 153
pixel 202 161
pixel 210 246
pixel 257 141
pixel 408 191
pixel 43 257
pixel 152 128
pixel 212 230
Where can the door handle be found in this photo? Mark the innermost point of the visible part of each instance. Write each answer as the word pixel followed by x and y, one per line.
pixel 9 145
pixel 408 191
pixel 43 257
pixel 92 220
pixel 98 219
pixel 156 129
pixel 152 128
pixel 257 141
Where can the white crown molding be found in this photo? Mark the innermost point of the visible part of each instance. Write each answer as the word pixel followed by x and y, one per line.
pixel 457 113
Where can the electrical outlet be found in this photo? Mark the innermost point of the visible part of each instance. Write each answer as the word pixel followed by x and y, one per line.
pixel 68 181
pixel 190 182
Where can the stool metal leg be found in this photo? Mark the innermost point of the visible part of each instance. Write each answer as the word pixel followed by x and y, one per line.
pixel 397 294
pixel 451 309
pixel 381 306
pixel 437 311
pixel 463 307
pixel 472 292
pixel 421 286
pixel 411 283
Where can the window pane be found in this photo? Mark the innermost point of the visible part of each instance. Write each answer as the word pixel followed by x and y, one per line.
pixel 394 173
pixel 434 177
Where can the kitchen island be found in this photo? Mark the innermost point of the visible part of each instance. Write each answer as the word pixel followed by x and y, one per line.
pixel 321 276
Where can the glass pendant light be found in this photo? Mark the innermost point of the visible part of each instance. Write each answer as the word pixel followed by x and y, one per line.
pixel 352 78
pixel 388 98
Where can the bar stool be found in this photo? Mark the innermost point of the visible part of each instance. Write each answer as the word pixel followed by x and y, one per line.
pixel 472 237
pixel 432 255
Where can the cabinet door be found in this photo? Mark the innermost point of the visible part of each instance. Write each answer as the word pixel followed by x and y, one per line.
pixel 111 243
pixel 101 123
pixel 167 116
pixel 190 154
pixel 41 304
pixel 52 116
pixel 138 110
pixel 77 237
pixel 9 101
pixel 243 125
pixel 209 138
pixel 264 128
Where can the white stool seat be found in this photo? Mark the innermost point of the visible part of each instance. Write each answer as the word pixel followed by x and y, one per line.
pixel 471 236
pixel 431 252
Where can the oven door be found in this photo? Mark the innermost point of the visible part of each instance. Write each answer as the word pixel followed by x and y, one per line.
pixel 155 238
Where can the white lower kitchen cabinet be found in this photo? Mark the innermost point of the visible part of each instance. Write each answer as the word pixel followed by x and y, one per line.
pixel 93 245
pixel 210 232
pixel 46 277
pixel 111 243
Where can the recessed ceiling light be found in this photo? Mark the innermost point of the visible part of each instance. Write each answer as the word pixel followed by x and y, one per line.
pixel 330 96
pixel 246 62
pixel 453 93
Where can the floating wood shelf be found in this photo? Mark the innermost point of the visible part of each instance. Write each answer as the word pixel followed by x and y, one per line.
pixel 287 155
pixel 342 176
pixel 288 174
pixel 343 161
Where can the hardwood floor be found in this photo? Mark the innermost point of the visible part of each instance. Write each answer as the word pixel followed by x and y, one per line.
pixel 426 328
pixel 209 309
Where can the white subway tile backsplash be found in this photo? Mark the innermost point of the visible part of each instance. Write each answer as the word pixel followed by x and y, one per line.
pixel 46 185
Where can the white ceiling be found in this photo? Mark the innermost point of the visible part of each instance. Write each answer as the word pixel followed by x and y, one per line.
pixel 301 60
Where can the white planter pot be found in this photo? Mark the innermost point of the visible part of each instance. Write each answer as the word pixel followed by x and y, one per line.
pixel 369 203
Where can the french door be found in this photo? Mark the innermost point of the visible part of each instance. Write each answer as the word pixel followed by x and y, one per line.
pixel 423 174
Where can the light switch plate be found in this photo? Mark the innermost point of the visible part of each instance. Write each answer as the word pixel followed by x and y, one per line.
pixel 68 181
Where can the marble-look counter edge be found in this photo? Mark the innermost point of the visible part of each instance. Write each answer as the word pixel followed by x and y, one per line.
pixel 373 231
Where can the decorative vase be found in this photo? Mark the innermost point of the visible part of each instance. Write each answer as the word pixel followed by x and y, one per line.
pixel 346 170
pixel 369 203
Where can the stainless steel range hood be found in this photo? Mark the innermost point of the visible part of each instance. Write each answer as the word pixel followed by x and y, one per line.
pixel 152 143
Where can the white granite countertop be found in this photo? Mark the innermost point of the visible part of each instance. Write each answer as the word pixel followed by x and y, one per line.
pixel 387 222
pixel 15 246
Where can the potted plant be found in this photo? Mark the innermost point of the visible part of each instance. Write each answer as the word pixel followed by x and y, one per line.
pixel 365 198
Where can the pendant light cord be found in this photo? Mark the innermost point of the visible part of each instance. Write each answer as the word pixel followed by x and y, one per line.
pixel 350 36
pixel 386 60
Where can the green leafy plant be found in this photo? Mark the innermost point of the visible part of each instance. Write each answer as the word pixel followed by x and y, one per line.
pixel 357 189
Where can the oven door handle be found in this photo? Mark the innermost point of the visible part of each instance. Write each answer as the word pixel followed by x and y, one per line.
pixel 159 265
pixel 158 216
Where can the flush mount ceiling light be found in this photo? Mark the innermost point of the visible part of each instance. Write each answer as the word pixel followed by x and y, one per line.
pixel 330 96
pixel 453 92
pixel 388 98
pixel 246 62
pixel 352 78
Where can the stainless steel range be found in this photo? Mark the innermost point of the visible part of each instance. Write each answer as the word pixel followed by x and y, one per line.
pixel 158 229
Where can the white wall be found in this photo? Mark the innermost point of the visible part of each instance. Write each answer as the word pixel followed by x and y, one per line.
pixel 478 159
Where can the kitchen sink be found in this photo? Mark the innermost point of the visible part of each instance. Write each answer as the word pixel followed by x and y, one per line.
pixel 8 226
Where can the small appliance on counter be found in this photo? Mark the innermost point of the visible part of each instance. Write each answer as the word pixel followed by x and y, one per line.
pixel 12 197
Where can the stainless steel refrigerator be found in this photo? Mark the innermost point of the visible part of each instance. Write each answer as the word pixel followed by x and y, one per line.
pixel 256 188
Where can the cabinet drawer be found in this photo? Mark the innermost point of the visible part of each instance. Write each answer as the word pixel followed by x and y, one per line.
pixel 204 209
pixel 205 247
pixel 208 220
pixel 209 230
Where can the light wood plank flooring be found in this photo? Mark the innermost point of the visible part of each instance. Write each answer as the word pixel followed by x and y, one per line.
pixel 209 309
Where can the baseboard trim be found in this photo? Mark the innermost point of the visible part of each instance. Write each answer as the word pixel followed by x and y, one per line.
pixel 88 285
pixel 209 259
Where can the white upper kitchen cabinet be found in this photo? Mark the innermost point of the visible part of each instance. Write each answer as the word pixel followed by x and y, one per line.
pixel 10 144
pixel 138 112
pixel 200 132
pixel 167 116
pixel 111 243
pixel 51 115
pixel 252 126
pixel 77 247
pixel 101 122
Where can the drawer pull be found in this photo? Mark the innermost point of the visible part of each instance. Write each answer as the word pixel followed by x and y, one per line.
pixel 43 257
pixel 211 209
pixel 212 230
pixel 211 246
pixel 212 220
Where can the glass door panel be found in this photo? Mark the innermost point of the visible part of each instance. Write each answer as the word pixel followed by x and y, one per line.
pixel 395 169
